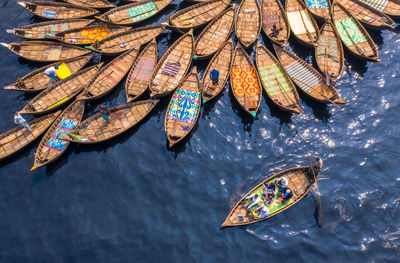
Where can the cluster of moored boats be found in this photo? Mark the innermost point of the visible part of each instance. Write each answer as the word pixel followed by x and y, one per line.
pixel 69 37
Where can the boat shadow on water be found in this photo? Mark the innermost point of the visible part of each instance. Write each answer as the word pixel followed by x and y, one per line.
pixel 245 117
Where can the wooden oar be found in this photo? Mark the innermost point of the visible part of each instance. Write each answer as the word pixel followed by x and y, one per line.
pixel 321 216
pixel 328 99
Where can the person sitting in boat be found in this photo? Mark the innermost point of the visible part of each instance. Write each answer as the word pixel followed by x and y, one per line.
pixel 317 165
pixel 275 31
pixel 18 119
pixel 285 195
pixel 269 193
pixel 105 113
pixel 262 211
pixel 281 183
pixel 214 76
pixel 255 200
pixel 52 73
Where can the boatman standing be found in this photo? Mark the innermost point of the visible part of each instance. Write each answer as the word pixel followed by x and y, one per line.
pixel 105 113
pixel 214 76
pixel 317 165
pixel 52 73
pixel 18 119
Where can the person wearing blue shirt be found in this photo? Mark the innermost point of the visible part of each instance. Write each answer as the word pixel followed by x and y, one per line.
pixel 214 76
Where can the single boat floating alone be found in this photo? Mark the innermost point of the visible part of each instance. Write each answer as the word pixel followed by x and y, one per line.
pixel 18 138
pixel 221 61
pixel 124 41
pixel 51 147
pixel 46 51
pixel 172 67
pixel 60 93
pixel 353 34
pixel 139 76
pixel 183 109
pixel 244 81
pixel 57 10
pixel 248 22
pixel 38 81
pixel 299 182
pixel 134 13
pixel 48 29
pixel 95 129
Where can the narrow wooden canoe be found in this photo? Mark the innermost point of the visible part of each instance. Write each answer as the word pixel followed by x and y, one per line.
pixel 18 138
pixel 48 29
pixel 38 81
pixel 221 61
pixel 57 10
pixel 172 67
pixel 197 15
pixel 302 24
pixel 45 51
pixel 308 79
pixel 127 40
pixel 273 13
pixel 353 34
pixel 299 183
pixel 89 35
pixel 51 147
pixel 183 109
pixel 248 22
pixel 109 76
pixel 389 7
pixel 245 83
pixel 91 3
pixel 367 15
pixel 95 129
pixel 134 13
pixel 139 76
pixel 329 53
pixel 319 8
pixel 62 92
pixel 276 82
pixel 214 35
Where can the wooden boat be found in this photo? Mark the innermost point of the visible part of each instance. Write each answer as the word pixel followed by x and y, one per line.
pixel 353 34
pixel 367 15
pixel 214 35
pixel 248 22
pixel 134 13
pixel 51 147
pixel 329 53
pixel 91 3
pixel 37 80
pixel 276 82
pixel 245 83
pixel 60 93
pixel 139 76
pixel 388 7
pixel 308 79
pixel 89 35
pixel 109 76
pixel 172 67
pixel 48 29
pixel 320 8
pixel 127 40
pixel 302 24
pixel 57 10
pixel 299 183
pixel 273 13
pixel 183 109
pixel 222 61
pixel 18 138
pixel 45 51
pixel 197 15
pixel 95 129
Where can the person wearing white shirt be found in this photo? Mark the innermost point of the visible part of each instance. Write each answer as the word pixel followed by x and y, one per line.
pixel 52 73
pixel 263 211
pixel 317 164
pixel 254 198
pixel 18 119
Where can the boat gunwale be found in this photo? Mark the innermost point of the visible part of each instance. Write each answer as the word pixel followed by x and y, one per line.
pixel 283 14
pixel 260 18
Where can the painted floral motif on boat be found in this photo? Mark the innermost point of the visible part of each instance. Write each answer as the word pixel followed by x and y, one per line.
pixel 317 3
pixel 142 11
pixel 328 46
pixel 62 130
pixel 244 79
pixel 92 34
pixel 349 32
pixel 274 79
pixel 184 106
